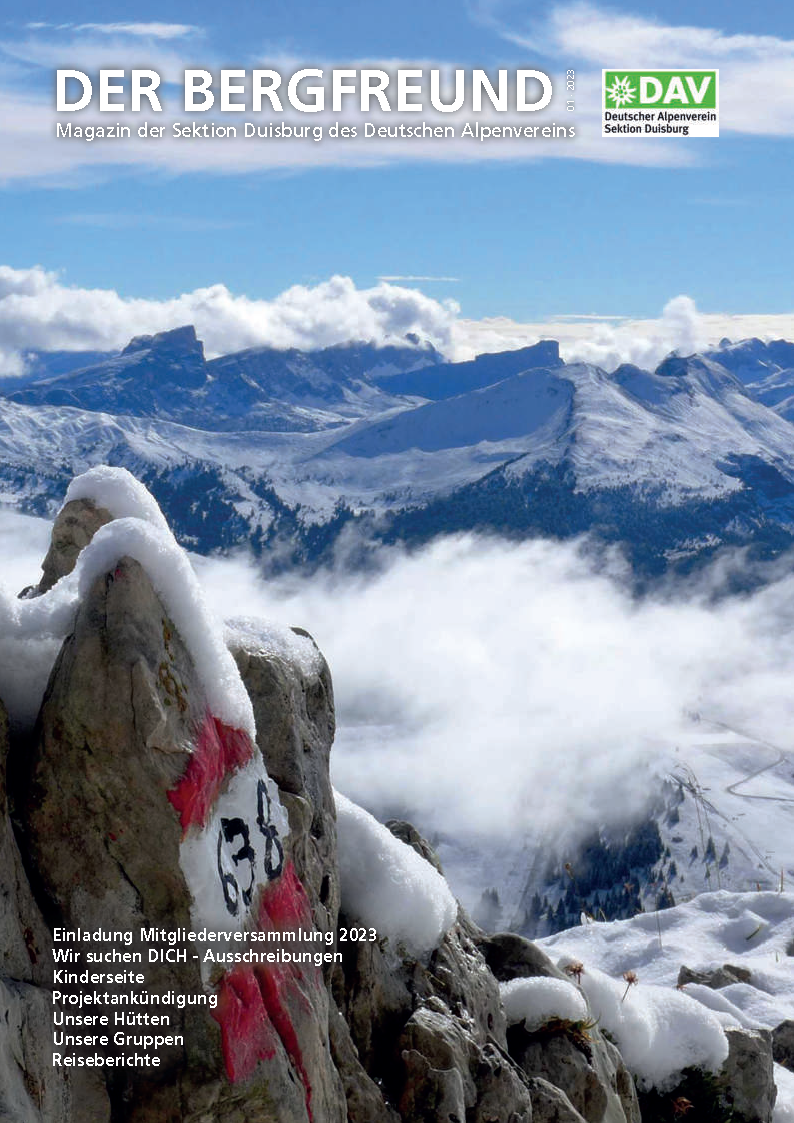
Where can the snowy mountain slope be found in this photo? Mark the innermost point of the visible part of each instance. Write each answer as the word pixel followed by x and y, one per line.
pixel 49 364
pixel 676 431
pixel 680 432
pixel 666 463
pixel 720 816
pixel 446 380
pixel 776 391
pixel 166 376
pixel 517 407
pixel 767 369
pixel 751 360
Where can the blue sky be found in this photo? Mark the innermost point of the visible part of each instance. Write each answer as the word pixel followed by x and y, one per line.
pixel 579 230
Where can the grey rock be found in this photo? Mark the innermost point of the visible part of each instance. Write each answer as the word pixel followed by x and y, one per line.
pixel 438 1086
pixel 364 1098
pixel 431 1095
pixel 449 1076
pixel 565 1065
pixel 747 1081
pixel 295 723
pixel 502 1095
pixel 783 1044
pixel 375 992
pixel 408 834
pixel 122 707
pixel 25 948
pixel 587 1068
pixel 75 525
pixel 550 1104
pixel 715 977
pixel 513 957
pixel 32 1090
pixel 115 726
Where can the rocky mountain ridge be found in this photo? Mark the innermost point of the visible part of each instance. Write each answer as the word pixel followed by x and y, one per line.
pixel 293 450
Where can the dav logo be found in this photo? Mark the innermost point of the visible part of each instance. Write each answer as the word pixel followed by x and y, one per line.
pixel 660 102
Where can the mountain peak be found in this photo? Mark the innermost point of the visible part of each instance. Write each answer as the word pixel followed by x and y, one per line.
pixel 182 340
pixel 544 353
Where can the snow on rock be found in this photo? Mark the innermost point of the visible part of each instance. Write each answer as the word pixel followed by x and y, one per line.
pixel 537 1001
pixel 659 1031
pixel 750 930
pixel 260 637
pixel 176 584
pixel 46 620
pixel 387 885
pixel 118 491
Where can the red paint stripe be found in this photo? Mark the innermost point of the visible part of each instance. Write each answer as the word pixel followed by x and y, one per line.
pixel 256 1006
pixel 247 1033
pixel 280 989
pixel 219 750
pixel 284 905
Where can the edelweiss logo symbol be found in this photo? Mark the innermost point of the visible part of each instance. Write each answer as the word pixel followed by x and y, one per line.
pixel 621 92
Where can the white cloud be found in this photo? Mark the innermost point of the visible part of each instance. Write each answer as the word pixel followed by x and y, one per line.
pixel 528 686
pixel 396 277
pixel 756 71
pixel 529 689
pixel 144 30
pixel 89 52
pixel 614 340
pixel 151 30
pixel 39 311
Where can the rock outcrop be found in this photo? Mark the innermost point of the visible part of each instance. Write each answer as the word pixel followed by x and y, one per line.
pixel 747 1082
pixel 76 524
pixel 31 1090
pixel 783 1044
pixel 716 978
pixel 120 801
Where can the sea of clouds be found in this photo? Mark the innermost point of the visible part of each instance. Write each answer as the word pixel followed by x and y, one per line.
pixel 491 686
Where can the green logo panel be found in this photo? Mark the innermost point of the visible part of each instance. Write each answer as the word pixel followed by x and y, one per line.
pixel 660 89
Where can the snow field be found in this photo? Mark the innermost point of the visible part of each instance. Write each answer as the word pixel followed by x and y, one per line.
pixel 660 1029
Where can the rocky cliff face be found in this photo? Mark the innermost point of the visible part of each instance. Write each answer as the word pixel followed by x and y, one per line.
pixel 116 798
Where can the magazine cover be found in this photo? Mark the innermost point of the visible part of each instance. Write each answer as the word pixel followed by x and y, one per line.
pixel 397 569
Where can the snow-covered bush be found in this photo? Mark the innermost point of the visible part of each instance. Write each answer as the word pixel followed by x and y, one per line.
pixel 659 1031
pixel 387 885
pixel 538 1001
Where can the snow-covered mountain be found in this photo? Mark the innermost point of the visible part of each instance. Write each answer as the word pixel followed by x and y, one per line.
pixel 719 816
pixel 293 447
pixel 767 369
pixel 166 376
